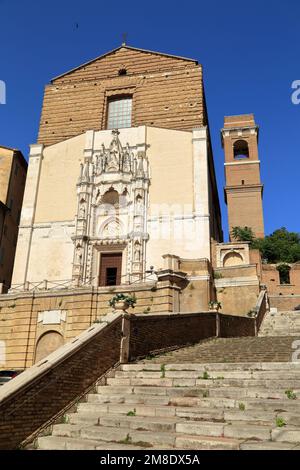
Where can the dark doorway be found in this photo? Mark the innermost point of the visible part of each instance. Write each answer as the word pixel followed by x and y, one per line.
pixel 110 269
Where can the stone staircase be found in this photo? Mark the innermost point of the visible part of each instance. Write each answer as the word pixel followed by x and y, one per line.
pixel 281 324
pixel 219 394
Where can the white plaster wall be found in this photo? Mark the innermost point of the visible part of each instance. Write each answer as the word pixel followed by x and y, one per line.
pixel 178 190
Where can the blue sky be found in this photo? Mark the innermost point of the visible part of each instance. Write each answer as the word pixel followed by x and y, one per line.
pixel 250 53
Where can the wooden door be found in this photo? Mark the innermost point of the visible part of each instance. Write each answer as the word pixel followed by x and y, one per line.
pixel 110 269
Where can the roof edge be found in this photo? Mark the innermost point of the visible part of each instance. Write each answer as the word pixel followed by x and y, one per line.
pixel 117 49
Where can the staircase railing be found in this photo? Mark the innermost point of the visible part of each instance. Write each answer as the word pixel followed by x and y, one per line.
pixel 261 309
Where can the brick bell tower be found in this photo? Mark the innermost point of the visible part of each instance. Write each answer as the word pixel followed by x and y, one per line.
pixel 243 190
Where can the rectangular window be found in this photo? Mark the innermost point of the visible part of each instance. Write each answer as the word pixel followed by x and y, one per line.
pixel 119 112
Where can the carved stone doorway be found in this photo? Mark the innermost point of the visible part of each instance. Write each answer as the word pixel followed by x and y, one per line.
pixel 110 269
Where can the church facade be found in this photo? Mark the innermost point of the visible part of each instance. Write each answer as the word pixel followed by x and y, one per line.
pixel 121 197
pixel 122 173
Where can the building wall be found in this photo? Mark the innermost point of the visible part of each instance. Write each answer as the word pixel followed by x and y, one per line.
pixel 13 169
pixel 179 206
pixel 69 313
pixel 167 92
pixel 271 278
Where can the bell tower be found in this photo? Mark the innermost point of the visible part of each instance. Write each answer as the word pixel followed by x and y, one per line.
pixel 243 188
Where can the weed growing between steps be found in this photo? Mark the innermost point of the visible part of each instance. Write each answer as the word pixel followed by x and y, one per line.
pixel 280 423
pixel 291 395
pixel 128 441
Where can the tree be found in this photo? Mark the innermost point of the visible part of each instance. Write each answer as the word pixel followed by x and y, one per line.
pixel 281 246
pixel 243 234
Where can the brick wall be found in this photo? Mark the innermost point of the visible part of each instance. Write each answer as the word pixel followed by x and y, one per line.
pixel 152 333
pixel 284 302
pixel 231 327
pixel 37 395
pixel 21 330
pixel 167 92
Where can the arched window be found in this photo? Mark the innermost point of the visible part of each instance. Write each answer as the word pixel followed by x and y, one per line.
pixel 240 150
pixel 284 273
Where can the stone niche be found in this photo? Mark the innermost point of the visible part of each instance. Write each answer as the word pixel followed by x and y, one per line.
pixel 232 254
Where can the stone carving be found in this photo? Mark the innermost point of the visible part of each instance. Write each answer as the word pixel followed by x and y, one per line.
pixel 112 194
pixel 137 252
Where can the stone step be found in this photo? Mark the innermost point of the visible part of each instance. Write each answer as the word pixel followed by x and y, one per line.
pixel 163 394
pixel 268 445
pixel 143 423
pixel 237 431
pixel 252 415
pixel 280 385
pixel 65 443
pixel 206 443
pixel 201 367
pixel 198 380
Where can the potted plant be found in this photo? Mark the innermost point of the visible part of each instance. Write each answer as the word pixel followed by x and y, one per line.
pixel 122 302
pixel 215 305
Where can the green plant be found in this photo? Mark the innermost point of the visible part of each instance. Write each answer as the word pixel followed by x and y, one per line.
pixel 130 300
pixel 163 371
pixel 127 440
pixel 291 395
pixel 220 378
pixel 205 375
pixel 243 234
pixel 205 394
pixel 281 246
pixel 150 356
pixel 218 275
pixel 131 413
pixel 147 310
pixel 251 313
pixel 215 304
pixel 280 423
pixel 284 273
pixel 242 407
pixel 65 419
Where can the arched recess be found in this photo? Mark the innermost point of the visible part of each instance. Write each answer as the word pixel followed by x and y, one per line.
pixel 232 259
pixel 47 343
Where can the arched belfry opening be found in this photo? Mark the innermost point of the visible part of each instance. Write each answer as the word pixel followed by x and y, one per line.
pixel 240 150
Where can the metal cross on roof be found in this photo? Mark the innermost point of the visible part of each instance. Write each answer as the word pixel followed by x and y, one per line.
pixel 124 36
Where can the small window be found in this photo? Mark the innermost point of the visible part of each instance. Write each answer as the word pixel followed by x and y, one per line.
pixel 284 274
pixel 119 112
pixel 240 150
pixel 111 276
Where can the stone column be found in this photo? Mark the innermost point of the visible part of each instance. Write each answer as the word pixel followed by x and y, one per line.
pixel 201 191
